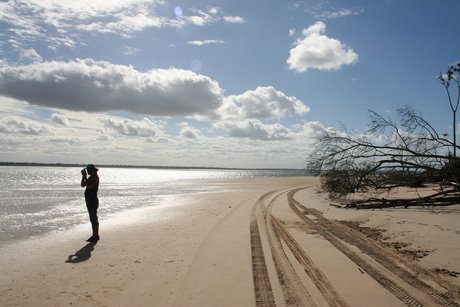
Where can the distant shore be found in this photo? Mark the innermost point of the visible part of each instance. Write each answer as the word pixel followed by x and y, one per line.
pixel 137 166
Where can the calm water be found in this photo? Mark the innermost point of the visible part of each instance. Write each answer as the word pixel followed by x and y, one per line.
pixel 37 200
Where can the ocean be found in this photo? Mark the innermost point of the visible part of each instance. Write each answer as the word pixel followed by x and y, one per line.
pixel 36 200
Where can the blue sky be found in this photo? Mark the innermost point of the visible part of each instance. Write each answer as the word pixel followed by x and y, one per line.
pixel 212 83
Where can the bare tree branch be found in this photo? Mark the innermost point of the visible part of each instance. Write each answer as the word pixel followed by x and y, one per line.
pixel 388 156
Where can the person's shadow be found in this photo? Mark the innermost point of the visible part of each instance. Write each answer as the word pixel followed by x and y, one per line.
pixel 83 254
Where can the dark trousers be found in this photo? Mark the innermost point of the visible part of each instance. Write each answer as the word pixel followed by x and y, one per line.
pixel 92 205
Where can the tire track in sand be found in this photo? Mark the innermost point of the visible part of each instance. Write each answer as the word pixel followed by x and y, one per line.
pixel 294 291
pixel 263 291
pixel 423 295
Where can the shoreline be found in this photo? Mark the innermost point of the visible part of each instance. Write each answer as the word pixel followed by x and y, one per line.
pixel 195 250
pixel 33 207
pixel 158 167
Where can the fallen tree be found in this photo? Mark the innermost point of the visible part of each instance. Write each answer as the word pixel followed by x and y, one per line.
pixel 445 198
pixel 408 153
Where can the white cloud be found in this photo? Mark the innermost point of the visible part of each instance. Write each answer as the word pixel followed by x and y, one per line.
pixel 127 25
pixel 262 103
pixel 251 144
pixel 312 130
pixel 66 139
pixel 318 28
pixel 104 137
pixel 206 42
pixel 163 140
pixel 233 19
pixel 9 140
pixel 59 119
pixel 324 10
pixel 131 50
pixel 62 23
pixel 342 13
pixel 16 125
pixel 14 107
pixel 125 126
pixel 255 129
pixel 314 50
pixel 188 132
pixel 211 15
pixel 30 55
pixel 295 6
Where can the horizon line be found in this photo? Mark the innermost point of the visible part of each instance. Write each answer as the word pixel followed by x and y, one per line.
pixel 136 166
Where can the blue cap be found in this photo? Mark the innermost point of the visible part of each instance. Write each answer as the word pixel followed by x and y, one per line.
pixel 90 166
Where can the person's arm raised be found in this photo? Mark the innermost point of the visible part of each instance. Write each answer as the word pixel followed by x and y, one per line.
pixel 83 178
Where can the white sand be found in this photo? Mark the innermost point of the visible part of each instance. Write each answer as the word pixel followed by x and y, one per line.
pixel 195 250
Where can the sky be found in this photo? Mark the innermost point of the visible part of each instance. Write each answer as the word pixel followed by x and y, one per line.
pixel 225 83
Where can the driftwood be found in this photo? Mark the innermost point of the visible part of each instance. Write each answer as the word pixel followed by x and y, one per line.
pixel 440 199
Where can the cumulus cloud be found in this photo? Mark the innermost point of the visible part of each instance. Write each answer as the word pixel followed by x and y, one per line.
pixel 255 129
pixel 16 125
pixel 59 119
pixel 262 103
pixel 99 86
pixel 313 130
pixel 314 50
pixel 125 126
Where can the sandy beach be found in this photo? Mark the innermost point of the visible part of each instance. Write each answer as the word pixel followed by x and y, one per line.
pixel 252 242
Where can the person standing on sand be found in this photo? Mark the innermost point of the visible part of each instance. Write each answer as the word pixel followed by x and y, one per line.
pixel 92 202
